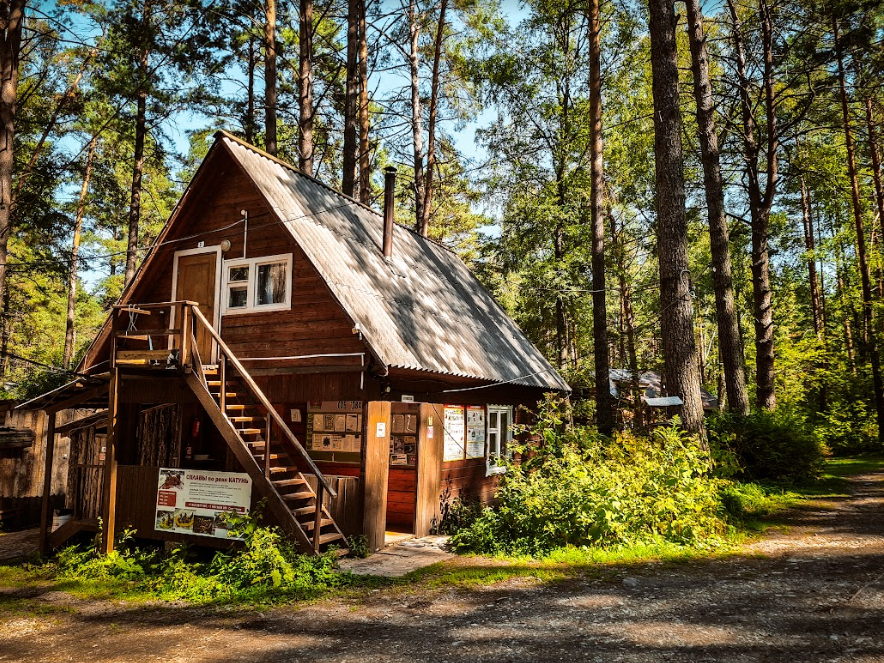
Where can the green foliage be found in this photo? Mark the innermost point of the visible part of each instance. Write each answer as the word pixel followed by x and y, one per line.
pixel 767 446
pixel 267 569
pixel 576 488
pixel 358 546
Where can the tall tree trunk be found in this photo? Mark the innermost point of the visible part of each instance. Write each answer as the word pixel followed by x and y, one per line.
pixel 561 318
pixel 604 409
pixel 810 247
pixel 270 77
pixel 140 137
pixel 351 102
pixel 416 114
pixel 431 128
pixel 876 169
pixel 842 295
pixel 628 317
pixel 676 315
pixel 364 144
pixel 729 341
pixel 12 14
pixel 872 335
pixel 305 88
pixel 70 331
pixel 249 123
pixel 760 197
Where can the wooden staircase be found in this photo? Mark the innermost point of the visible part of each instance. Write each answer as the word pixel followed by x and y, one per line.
pixel 263 444
pixel 251 425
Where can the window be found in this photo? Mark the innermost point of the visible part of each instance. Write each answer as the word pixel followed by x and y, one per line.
pixel 500 432
pixel 257 284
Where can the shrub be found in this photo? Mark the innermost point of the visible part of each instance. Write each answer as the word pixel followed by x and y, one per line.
pixel 267 568
pixel 767 446
pixel 576 488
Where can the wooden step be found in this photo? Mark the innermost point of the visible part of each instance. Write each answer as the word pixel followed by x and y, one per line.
pixel 297 497
pixel 249 431
pixel 229 394
pixel 282 483
pixel 303 511
pixel 283 469
pixel 245 419
pixel 310 524
pixel 238 406
pixel 260 457
pixel 331 536
pixel 217 383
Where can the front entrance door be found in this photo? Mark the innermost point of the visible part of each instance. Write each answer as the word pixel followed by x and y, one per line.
pixel 196 282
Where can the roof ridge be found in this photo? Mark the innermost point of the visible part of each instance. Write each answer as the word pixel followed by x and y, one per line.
pixel 285 164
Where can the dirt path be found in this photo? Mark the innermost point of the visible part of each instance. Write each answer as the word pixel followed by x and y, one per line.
pixel 814 593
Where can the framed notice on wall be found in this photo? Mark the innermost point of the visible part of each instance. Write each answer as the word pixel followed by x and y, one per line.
pixel 200 502
pixel 475 431
pixel 453 424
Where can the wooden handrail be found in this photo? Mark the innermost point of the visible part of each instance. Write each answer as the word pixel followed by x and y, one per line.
pixel 262 399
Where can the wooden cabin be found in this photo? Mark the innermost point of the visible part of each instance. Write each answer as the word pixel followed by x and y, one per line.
pixel 283 337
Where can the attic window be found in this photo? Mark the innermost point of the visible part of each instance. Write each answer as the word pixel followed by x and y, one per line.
pixel 257 284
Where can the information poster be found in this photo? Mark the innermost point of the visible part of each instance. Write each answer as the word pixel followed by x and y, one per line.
pixel 453 425
pixel 334 426
pixel 201 502
pixel 475 431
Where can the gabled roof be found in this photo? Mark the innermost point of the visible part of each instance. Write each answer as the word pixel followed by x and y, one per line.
pixel 424 310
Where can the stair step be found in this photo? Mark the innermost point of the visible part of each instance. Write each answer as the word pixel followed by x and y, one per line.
pixel 217 383
pixel 328 538
pixel 282 483
pixel 304 510
pixel 296 497
pixel 238 406
pixel 229 394
pixel 283 469
pixel 310 524
pixel 273 456
pixel 250 431
pixel 245 419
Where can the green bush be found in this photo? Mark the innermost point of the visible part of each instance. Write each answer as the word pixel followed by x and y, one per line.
pixel 575 488
pixel 267 568
pixel 767 446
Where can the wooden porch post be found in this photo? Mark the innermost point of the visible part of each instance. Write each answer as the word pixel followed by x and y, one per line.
pixel 45 505
pixel 109 500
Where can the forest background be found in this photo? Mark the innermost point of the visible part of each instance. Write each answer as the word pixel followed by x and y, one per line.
pixel 654 186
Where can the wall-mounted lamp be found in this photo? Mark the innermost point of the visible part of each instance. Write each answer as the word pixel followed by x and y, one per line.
pixel 225 245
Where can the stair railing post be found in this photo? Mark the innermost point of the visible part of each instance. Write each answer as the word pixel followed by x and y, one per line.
pixel 222 375
pixel 185 335
pixel 267 431
pixel 317 518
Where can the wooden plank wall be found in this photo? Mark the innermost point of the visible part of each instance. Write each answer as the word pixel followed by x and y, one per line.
pixel 401 492
pixel 346 508
pixel 22 470
pixel 314 325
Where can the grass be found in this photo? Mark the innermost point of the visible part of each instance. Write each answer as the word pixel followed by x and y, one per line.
pixel 766 507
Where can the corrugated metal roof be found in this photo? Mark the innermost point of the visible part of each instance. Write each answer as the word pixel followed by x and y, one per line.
pixel 423 310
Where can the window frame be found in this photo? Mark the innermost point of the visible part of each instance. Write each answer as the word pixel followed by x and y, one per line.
pixel 493 467
pixel 252 284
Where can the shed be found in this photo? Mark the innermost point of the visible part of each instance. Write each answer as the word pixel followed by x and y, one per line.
pixel 282 336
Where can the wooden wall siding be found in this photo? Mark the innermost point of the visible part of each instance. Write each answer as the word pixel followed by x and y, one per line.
pixel 376 464
pixel 159 436
pixel 314 325
pixel 466 479
pixel 346 508
pixel 401 495
pixel 22 470
pixel 85 473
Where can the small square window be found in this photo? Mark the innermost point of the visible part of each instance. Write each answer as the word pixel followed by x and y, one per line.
pixel 238 297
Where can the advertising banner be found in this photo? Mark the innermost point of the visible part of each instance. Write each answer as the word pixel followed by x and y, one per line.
pixel 200 502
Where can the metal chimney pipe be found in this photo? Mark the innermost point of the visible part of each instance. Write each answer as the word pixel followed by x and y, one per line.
pixel 389 210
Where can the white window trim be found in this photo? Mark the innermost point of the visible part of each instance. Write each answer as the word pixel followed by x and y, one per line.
pixel 497 469
pixel 253 264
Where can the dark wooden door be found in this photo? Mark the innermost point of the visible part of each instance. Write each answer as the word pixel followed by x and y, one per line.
pixel 196 282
